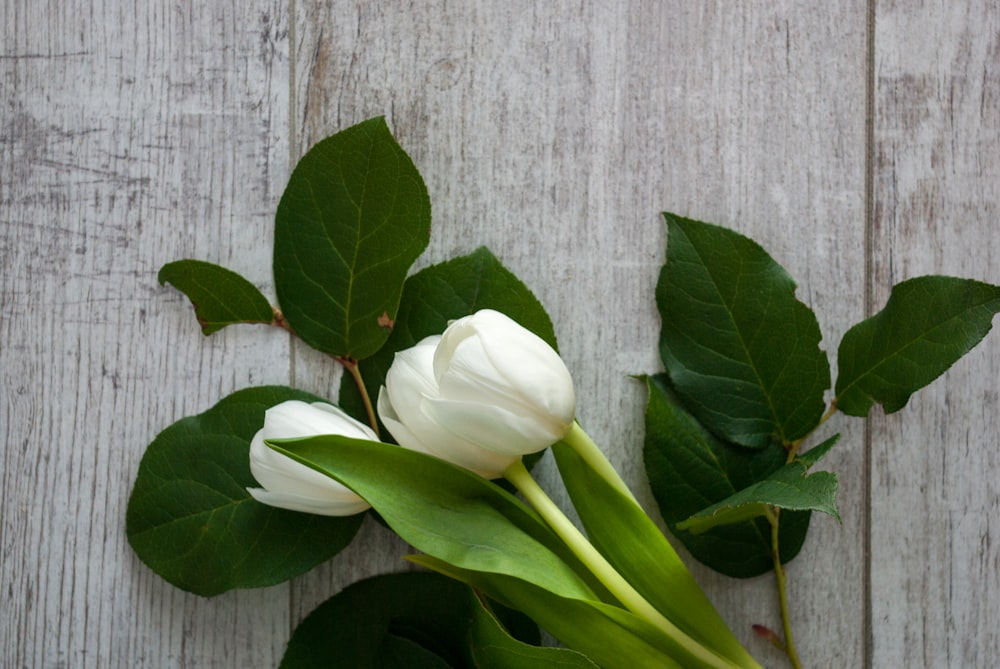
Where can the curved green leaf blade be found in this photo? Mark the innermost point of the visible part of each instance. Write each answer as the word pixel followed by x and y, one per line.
pixel 191 520
pixel 690 469
pixel 740 349
pixel 928 323
pixel 441 293
pixel 791 487
pixel 408 620
pixel 353 218
pixel 609 636
pixel 220 296
pixel 636 548
pixel 493 648
pixel 445 511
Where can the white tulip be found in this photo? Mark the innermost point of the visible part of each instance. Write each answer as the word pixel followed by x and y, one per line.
pixel 480 396
pixel 289 484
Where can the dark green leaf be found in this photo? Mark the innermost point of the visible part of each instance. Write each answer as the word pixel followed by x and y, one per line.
pixel 409 620
pixel 445 511
pixel 220 296
pixel 354 217
pixel 442 293
pixel 928 323
pixel 191 520
pixel 788 488
pixel 636 548
pixel 740 349
pixel 690 469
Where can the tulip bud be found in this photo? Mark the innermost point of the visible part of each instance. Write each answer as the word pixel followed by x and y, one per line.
pixel 289 484
pixel 480 396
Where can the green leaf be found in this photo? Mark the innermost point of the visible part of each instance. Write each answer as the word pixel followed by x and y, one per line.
pixel 740 349
pixel 445 511
pixel 406 620
pixel 636 548
pixel 690 469
pixel 788 488
pixel 353 218
pixel 818 452
pixel 609 636
pixel 442 293
pixel 191 520
pixel 928 324
pixel 492 647
pixel 220 296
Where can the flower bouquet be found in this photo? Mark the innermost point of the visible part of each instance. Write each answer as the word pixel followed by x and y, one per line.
pixel 454 388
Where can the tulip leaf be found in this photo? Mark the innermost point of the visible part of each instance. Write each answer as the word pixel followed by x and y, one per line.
pixel 407 620
pixel 220 296
pixel 636 548
pixel 739 348
pixel 446 511
pixel 192 521
pixel 790 487
pixel 438 294
pixel 690 469
pixel 928 323
pixel 609 636
pixel 353 218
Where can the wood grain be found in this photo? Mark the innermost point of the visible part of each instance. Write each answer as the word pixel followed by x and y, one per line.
pixel 935 565
pixel 133 134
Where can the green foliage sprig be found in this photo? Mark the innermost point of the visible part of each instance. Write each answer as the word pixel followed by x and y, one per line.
pixel 727 425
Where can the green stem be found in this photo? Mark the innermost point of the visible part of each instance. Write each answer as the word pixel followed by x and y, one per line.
pixel 351 365
pixel 779 575
pixel 519 476
pixel 585 447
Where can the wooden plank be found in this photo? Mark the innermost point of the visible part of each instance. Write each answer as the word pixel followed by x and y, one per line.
pixel 935 566
pixel 554 133
pixel 132 134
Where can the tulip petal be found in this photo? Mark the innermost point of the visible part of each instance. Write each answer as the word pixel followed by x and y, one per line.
pixel 293 502
pixel 493 427
pixel 441 443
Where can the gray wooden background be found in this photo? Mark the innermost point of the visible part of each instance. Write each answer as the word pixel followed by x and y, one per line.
pixel 858 141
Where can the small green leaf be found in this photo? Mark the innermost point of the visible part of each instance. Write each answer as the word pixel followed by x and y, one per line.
pixel 353 218
pixel 445 511
pixel 636 548
pixel 192 521
pixel 438 294
pixel 690 469
pixel 220 296
pixel 788 488
pixel 818 452
pixel 408 620
pixel 928 323
pixel 740 349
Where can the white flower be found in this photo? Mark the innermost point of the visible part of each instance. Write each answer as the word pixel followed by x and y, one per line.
pixel 288 484
pixel 480 396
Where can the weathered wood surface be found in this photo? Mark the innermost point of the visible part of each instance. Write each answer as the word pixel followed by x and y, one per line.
pixel 859 143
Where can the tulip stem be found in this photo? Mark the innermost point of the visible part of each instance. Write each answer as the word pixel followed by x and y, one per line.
pixel 519 476
pixel 585 447
pixel 351 365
